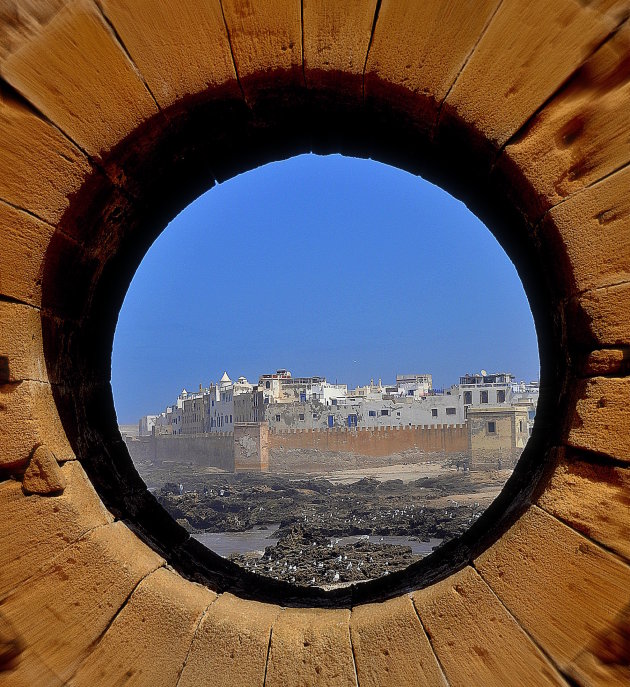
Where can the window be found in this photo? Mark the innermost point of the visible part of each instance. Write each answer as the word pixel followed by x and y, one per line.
pixel 372 413
pixel 500 396
pixel 267 384
pixel 451 411
pixel 434 412
pixel 301 416
pixel 384 411
pixel 302 396
pixel 484 397
pixel 334 401
pixel 230 418
pixel 520 425
pixel 492 427
pixel 467 397
pixel 331 420
pixel 352 420
pixel 277 418
pixel 314 416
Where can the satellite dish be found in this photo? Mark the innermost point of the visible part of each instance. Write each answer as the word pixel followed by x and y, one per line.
pixel 484 373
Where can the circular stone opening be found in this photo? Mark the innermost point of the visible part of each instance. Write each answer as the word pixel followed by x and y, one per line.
pixel 385 298
pixel 141 185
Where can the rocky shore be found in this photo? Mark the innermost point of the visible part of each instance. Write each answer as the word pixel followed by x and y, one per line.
pixel 312 511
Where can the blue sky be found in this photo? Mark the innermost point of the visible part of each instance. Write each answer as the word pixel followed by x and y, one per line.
pixel 330 266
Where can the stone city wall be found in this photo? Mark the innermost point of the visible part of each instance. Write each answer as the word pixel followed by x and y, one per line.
pixel 211 450
pixel 381 441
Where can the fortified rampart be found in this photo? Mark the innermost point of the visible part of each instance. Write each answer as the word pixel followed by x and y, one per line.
pixel 375 441
pixel 216 450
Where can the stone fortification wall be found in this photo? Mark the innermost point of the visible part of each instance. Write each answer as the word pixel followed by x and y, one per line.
pixel 212 450
pixel 381 441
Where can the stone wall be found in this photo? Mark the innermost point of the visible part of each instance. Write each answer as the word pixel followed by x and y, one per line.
pixel 211 450
pixel 251 447
pixel 382 441
pixel 113 116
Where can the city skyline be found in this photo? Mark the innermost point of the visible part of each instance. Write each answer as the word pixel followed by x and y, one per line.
pixel 334 266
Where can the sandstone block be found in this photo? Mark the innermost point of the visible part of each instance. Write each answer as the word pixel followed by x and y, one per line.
pixel 21 343
pixel 180 49
pixel 561 588
pixel 149 639
pixel 592 499
pixel 336 39
pixel 76 73
pixel 526 54
pixel 23 241
pixel 601 317
pixel 231 644
pixel 609 361
pixel 476 640
pixel 599 422
pixel 266 39
pixel 52 524
pixel 30 418
pixel 311 646
pixel 582 134
pixel 420 47
pixel 61 612
pixel 43 475
pixel 39 167
pixel 592 233
pixel 391 647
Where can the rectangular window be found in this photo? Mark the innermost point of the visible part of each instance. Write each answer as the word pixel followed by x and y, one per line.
pixel 314 416
pixel 484 396
pixel 500 396
pixel 302 396
pixel 492 427
pixel 520 424
pixel 451 411
pixel 468 397
pixel 230 418
pixel 352 420
pixel 384 411
pixel 301 416
pixel 277 418
pixel 331 420
pixel 372 413
pixel 334 401
pixel 434 412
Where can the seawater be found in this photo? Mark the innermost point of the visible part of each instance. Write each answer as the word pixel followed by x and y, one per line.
pixel 256 540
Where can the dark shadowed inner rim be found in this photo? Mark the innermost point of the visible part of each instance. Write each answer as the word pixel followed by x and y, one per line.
pixel 159 170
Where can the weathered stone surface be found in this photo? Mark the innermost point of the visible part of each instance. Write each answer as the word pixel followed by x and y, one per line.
pixel 524 57
pixel 30 418
pixel 593 499
pixel 11 646
pixel 391 647
pixel 311 646
pixel 420 47
pixel 23 241
pixel 266 38
pixel 39 167
pixel 476 640
pixel 336 38
pixel 582 134
pixel 20 19
pixel 37 528
pixel 43 475
pixel 605 662
pixel 77 74
pixel 592 233
pixel 560 587
pixel 231 644
pixel 63 610
pixel 149 639
pixel 601 317
pixel 609 361
pixel 21 343
pixel 600 420
pixel 164 41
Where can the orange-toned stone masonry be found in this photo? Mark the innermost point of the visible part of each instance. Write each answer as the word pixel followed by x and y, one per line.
pixel 382 441
pixel 541 89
